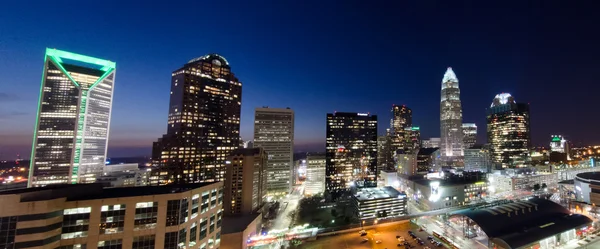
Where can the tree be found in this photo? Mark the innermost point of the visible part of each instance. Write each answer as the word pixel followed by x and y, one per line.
pixel 544 186
pixel 536 187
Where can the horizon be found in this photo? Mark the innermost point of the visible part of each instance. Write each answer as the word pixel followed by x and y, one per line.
pixel 364 59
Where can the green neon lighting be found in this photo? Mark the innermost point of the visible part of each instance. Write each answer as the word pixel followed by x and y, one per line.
pixel 62 69
pixel 36 126
pixel 106 64
pixel 555 139
pixel 102 78
pixel 415 128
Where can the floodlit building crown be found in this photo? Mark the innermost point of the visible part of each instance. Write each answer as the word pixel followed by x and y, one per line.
pixel 449 76
pixel 502 99
pixel 214 58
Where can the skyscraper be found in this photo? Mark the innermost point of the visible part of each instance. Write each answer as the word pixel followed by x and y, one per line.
pixel 412 141
pixel 451 134
pixel 401 119
pixel 469 134
pixel 558 144
pixel 351 151
pixel 245 181
pixel 73 119
pixel 385 160
pixel 203 124
pixel 508 131
pixel 274 132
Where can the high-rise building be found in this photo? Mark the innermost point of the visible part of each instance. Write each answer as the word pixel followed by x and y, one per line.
pixel 203 124
pixel 274 132
pixel 478 158
pixel 385 159
pixel 90 216
pixel 451 133
pixel 351 151
pixel 412 142
pixel 426 161
pixel 508 131
pixel 558 144
pixel 73 119
pixel 469 134
pixel 401 119
pixel 433 142
pixel 245 181
pixel 315 174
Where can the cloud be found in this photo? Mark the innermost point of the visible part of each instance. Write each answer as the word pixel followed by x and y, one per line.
pixel 7 97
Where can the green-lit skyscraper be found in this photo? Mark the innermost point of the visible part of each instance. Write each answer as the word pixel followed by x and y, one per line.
pixel 73 119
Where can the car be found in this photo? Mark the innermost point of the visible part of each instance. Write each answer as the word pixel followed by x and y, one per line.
pixel 378 242
pixel 397 236
pixel 420 242
pixel 363 234
pixel 430 237
pixel 410 232
pixel 439 244
pixel 420 229
pixel 362 231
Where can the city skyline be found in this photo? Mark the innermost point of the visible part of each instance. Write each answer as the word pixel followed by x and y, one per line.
pixel 517 67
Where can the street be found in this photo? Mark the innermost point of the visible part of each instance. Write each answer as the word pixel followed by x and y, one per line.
pixel 288 204
pixel 385 234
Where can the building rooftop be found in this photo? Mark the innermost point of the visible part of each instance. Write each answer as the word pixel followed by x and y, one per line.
pixel 77 192
pixel 593 176
pixel 246 151
pixel 365 194
pixel 427 151
pixel 514 224
pixel 237 224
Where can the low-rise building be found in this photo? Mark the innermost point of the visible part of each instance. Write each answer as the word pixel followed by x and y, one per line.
pixel 587 187
pixel 124 175
pixel 238 229
pixel 88 215
pixel 315 174
pixel 388 178
pixel 502 181
pixel 437 194
pixel 380 202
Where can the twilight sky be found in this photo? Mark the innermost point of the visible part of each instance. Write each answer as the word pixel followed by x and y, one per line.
pixel 315 57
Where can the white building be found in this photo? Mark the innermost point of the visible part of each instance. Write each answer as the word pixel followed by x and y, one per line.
pixel 124 175
pixel 509 181
pixel 380 202
pixel 315 175
pixel 388 178
pixel 274 132
pixel 478 159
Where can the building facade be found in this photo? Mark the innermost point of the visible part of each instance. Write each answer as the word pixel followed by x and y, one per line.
pixel 88 216
pixel 381 202
pixel 426 160
pixel 508 131
pixel 478 158
pixel 401 119
pixel 73 119
pixel 274 132
pixel 433 142
pixel 469 134
pixel 351 151
pixel 203 124
pixel 245 181
pixel 315 174
pixel 451 134
pixel 385 157
pixel 413 140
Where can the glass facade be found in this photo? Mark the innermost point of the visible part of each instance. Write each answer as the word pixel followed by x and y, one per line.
pixel 508 131
pixel 351 152
pixel 469 134
pixel 72 126
pixel 146 214
pixel 451 134
pixel 401 119
pixel 112 219
pixel 203 124
pixel 274 132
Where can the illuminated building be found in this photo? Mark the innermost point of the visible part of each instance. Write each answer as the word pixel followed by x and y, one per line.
pixel 508 131
pixel 351 151
pixel 438 194
pixel 401 119
pixel 433 142
pixel 274 132
pixel 90 216
pixel 407 164
pixel 412 141
pixel 426 159
pixel 558 144
pixel 203 124
pixel 478 158
pixel 381 202
pixel 315 174
pixel 469 134
pixel 451 134
pixel 245 181
pixel 73 119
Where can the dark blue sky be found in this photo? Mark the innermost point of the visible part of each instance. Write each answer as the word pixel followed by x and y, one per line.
pixel 315 57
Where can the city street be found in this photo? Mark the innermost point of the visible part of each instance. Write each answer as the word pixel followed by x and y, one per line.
pixel 288 204
pixel 385 234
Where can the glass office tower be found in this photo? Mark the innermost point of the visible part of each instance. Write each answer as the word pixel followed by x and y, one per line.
pixel 508 131
pixel 451 133
pixel 351 152
pixel 73 119
pixel 203 123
